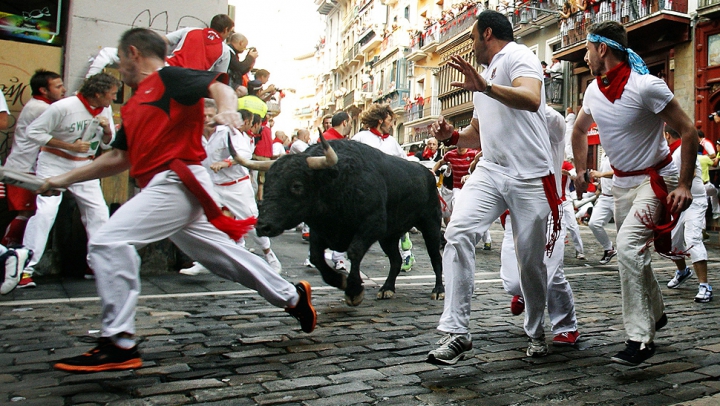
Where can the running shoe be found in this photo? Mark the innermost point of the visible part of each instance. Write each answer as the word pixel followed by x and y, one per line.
pixel 452 348
pixel 567 338
pixel 680 277
pixel 304 310
pixel 704 294
pixel 607 256
pixel 105 357
pixel 517 305
pixel 635 353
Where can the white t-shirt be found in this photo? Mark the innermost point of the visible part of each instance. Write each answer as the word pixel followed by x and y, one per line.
pixel 606 184
pixel 389 145
pixel 68 120
pixel 298 147
pixel 556 131
pixel 217 150
pixel 514 142
pixel 3 104
pixel 630 130
pixel 697 189
pixel 278 149
pixel 24 152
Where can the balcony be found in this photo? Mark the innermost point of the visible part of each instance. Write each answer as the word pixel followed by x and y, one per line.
pixel 554 91
pixel 353 55
pixel 458 25
pixel 419 113
pixel 416 53
pixel 654 26
pixel 532 16
pixel 369 40
pixel 325 6
pixel 708 8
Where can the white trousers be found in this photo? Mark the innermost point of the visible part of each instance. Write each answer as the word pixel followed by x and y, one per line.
pixel 240 200
pixel 166 209
pixel 569 222
pixel 712 192
pixel 641 296
pixel 560 302
pixel 486 195
pixel 88 195
pixel 603 211
pixel 687 235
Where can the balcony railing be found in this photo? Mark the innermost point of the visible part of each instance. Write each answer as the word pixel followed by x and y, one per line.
pixel 531 11
pixel 367 87
pixel 417 109
pixel 459 24
pixel 352 52
pixel 574 30
pixel 349 98
pixel 707 3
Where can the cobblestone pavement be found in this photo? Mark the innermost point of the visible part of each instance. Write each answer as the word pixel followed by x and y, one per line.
pixel 213 342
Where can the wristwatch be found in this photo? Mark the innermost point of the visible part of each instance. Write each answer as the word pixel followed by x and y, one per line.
pixel 488 86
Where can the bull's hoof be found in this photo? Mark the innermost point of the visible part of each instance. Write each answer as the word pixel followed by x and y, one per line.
pixel 437 296
pixel 355 301
pixel 385 294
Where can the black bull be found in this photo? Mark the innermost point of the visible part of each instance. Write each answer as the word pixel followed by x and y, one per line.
pixel 366 196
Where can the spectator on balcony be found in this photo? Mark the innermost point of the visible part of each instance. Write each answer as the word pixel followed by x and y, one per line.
pixel 238 69
pixel 582 15
pixel 567 23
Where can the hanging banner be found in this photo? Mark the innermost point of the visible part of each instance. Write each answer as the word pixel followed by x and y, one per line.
pixel 32 20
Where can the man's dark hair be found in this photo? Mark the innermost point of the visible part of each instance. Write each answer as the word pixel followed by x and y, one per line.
pixel 614 31
pixel 701 134
pixel 221 22
pixel 338 118
pixel 671 131
pixel 375 114
pixel 499 23
pixel 99 84
pixel 41 78
pixel 245 114
pixel 257 119
pixel 148 43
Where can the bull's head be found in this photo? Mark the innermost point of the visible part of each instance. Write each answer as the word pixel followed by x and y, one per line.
pixel 289 193
pixel 314 162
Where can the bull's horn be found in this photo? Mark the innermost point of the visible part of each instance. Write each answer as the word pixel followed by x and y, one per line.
pixel 322 162
pixel 248 163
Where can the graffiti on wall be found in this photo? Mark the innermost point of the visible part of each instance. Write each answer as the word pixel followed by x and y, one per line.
pixel 161 21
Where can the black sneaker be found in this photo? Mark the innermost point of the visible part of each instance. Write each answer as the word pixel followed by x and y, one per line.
pixel 304 310
pixel 635 353
pixel 661 322
pixel 105 357
pixel 451 349
pixel 607 256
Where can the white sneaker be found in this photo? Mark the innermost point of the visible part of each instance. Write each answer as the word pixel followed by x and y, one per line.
pixel 340 265
pixel 195 270
pixel 15 263
pixel 307 263
pixel 272 259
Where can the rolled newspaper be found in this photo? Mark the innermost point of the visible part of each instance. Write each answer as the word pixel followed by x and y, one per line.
pixel 21 179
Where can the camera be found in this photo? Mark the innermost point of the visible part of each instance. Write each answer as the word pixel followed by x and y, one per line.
pixel 712 116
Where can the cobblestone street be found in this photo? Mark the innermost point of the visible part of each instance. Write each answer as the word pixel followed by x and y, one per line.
pixel 213 342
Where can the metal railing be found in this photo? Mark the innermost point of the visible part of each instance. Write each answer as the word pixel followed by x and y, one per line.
pixel 574 30
pixel 554 90
pixel 349 98
pixel 707 3
pixel 429 107
pixel 531 11
pixel 457 25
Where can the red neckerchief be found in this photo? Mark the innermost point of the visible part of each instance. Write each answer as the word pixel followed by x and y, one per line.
pixel 278 140
pixel 376 132
pixel 613 82
pixel 675 145
pixel 428 154
pixel 94 111
pixel 43 98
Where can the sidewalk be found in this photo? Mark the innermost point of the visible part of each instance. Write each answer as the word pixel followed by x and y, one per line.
pixel 212 342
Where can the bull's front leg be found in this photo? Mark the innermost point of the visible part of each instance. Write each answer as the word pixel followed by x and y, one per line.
pixel 354 292
pixel 317 257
